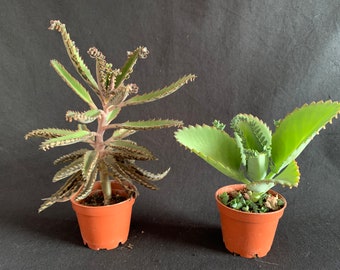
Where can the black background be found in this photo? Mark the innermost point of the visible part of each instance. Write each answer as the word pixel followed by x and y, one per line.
pixel 259 57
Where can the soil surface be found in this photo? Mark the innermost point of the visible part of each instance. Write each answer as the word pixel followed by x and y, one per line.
pixel 97 199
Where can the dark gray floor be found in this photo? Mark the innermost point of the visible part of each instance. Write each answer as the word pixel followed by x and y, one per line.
pixel 260 57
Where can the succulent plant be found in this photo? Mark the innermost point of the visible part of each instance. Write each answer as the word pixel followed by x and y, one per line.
pixel 255 156
pixel 109 156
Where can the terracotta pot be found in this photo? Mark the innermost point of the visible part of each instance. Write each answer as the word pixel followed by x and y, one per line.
pixel 247 234
pixel 104 227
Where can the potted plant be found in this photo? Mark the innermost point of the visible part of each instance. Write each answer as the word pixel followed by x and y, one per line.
pixel 110 155
pixel 259 159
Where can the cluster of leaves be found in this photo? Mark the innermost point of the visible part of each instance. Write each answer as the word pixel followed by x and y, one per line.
pixel 240 200
pixel 112 156
pixel 256 156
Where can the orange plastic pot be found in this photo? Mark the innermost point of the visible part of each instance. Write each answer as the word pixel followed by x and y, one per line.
pixel 249 235
pixel 104 227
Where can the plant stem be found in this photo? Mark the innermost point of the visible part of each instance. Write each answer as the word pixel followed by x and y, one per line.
pixel 100 147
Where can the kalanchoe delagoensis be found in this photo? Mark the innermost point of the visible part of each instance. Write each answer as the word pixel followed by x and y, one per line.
pixel 112 156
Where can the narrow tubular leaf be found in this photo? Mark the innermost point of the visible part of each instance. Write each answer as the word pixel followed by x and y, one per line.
pixel 158 94
pixel 127 69
pixel 113 114
pixel 73 53
pixel 134 175
pixel 76 136
pixel 48 133
pixel 68 170
pixel 83 117
pixel 73 83
pixel 150 124
pixel 122 133
pixel 88 185
pixel 90 163
pixel 148 176
pixel 297 130
pixel 125 148
pixel 64 193
pixel 71 156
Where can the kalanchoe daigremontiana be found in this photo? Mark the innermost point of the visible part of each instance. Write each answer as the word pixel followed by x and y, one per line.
pixel 111 156
pixel 255 156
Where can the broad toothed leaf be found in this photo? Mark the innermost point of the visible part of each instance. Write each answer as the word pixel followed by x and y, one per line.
pixel 252 136
pixel 158 94
pixel 150 124
pixel 127 69
pixel 48 133
pixel 73 53
pixel 74 137
pixel 290 177
pixel 68 170
pixel 221 150
pixel 73 83
pixel 298 128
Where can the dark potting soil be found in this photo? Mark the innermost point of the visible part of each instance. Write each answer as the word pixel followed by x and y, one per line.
pixel 97 199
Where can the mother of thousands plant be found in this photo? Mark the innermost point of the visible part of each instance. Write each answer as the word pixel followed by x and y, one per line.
pixel 111 156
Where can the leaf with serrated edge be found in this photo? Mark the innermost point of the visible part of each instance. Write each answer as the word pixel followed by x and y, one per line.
pixel 113 114
pixel 87 187
pixel 290 177
pixel 132 147
pixel 48 133
pixel 127 69
pixel 83 117
pixel 68 170
pixel 73 53
pixel 90 163
pixel 73 83
pixel 150 124
pixel 297 130
pixel 71 156
pixel 215 147
pixel 158 94
pixel 76 136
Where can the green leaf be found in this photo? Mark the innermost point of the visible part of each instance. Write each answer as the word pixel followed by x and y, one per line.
pixel 257 166
pixel 158 94
pixel 289 177
pixel 298 129
pixel 48 133
pixel 130 150
pixel 127 69
pixel 71 156
pixel 214 146
pixel 73 83
pixel 150 124
pixel 74 137
pixel 73 53
pixel 68 170
pixel 113 114
pixel 90 163
pixel 122 133
pixel 83 117
pixel 252 136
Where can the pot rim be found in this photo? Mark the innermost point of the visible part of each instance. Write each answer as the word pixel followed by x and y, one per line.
pixel 97 183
